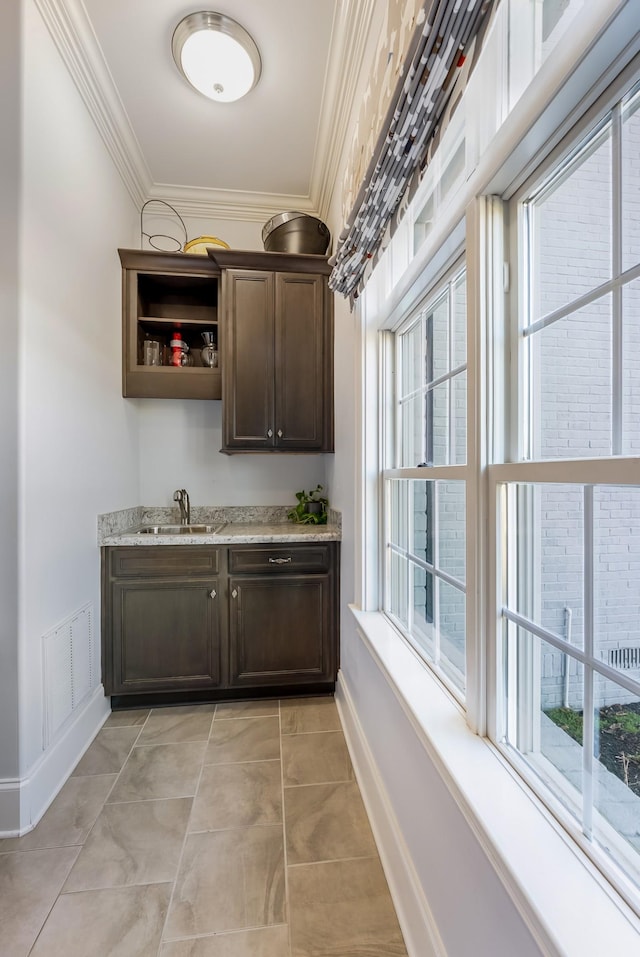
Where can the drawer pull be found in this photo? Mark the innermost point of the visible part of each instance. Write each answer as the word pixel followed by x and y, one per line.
pixel 280 561
pixel 212 593
pixel 234 593
pixel 269 433
pixel 280 433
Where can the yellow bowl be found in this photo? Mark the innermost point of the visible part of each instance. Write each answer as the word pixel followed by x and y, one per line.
pixel 202 243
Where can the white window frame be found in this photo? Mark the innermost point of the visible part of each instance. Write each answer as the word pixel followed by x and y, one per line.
pixel 510 461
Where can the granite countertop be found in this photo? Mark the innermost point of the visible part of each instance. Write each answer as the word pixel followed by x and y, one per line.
pixel 240 525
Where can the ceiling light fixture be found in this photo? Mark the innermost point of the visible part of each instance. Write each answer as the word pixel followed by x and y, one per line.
pixel 216 55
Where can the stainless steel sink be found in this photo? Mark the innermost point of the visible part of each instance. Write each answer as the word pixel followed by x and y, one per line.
pixel 181 529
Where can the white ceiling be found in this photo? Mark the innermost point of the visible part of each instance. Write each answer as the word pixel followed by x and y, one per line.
pixel 275 149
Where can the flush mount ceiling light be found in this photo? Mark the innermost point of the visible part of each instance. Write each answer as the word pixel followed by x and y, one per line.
pixel 216 55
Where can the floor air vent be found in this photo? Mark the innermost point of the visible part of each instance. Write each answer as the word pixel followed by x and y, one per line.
pixel 68 669
pixel 625 658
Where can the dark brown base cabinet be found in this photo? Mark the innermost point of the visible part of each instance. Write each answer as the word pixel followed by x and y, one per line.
pixel 202 623
pixel 280 619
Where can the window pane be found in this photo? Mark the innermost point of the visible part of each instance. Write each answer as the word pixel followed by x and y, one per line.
pixel 616 773
pixel 451 625
pixel 459 410
pixel 397 603
pixel 616 546
pixel 413 359
pixel 544 729
pixel 571 385
pixel 631 182
pixel 631 365
pixel 438 339
pixel 545 561
pixel 413 425
pixel 451 555
pixel 571 230
pixel 423 520
pixel 459 334
pixel 398 532
pixel 422 595
pixel 438 436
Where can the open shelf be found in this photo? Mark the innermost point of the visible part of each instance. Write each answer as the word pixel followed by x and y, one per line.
pixel 172 295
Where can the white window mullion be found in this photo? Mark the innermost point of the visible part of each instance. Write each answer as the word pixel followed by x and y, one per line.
pixel 616 251
pixel 588 705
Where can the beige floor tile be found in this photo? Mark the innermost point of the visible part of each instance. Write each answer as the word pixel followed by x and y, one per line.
pixel 265 942
pixel 70 817
pixel 326 822
pixel 317 758
pixel 107 752
pixel 309 714
pixel 29 884
pixel 114 922
pixel 342 908
pixel 249 709
pixel 244 739
pixel 228 880
pixel 131 718
pixel 137 843
pixel 160 771
pixel 238 795
pixel 171 725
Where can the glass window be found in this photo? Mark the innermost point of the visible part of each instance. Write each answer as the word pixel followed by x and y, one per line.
pixel 571 633
pixel 579 322
pixel 426 576
pixel 568 535
pixel 432 382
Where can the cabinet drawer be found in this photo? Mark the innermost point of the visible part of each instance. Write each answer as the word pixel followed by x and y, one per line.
pixel 158 560
pixel 279 558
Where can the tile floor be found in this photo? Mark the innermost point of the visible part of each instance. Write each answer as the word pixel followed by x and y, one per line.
pixel 234 830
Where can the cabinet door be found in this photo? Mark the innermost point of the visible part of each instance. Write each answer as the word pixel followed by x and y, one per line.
pixel 166 635
pixel 300 361
pixel 280 630
pixel 247 348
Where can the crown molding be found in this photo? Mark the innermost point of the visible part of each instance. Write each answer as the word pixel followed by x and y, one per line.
pixel 71 30
pixel 73 35
pixel 348 45
pixel 206 203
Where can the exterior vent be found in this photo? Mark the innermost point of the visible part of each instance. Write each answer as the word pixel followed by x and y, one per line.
pixel 626 658
pixel 68 668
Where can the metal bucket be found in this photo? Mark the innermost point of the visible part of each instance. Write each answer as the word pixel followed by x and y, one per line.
pixel 295 232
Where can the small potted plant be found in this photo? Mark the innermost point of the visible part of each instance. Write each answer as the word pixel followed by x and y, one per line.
pixel 311 508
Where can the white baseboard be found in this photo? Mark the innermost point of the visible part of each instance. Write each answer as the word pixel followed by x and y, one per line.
pixel 419 929
pixel 23 801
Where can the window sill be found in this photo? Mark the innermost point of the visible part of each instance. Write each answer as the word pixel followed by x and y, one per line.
pixel 566 902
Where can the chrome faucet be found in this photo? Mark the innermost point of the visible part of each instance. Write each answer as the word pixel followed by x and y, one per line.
pixel 181 496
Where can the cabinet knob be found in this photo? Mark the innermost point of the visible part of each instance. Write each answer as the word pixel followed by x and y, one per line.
pixel 280 561
pixel 269 433
pixel 212 593
pixel 280 433
pixel 234 593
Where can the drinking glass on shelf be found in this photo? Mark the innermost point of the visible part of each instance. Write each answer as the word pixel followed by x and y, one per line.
pixel 209 352
pixel 152 355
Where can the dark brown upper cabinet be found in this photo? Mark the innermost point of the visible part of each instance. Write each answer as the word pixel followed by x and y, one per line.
pixel 164 293
pixel 272 316
pixel 277 357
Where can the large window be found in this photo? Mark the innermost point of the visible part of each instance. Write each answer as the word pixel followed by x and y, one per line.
pixel 568 505
pixel 511 480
